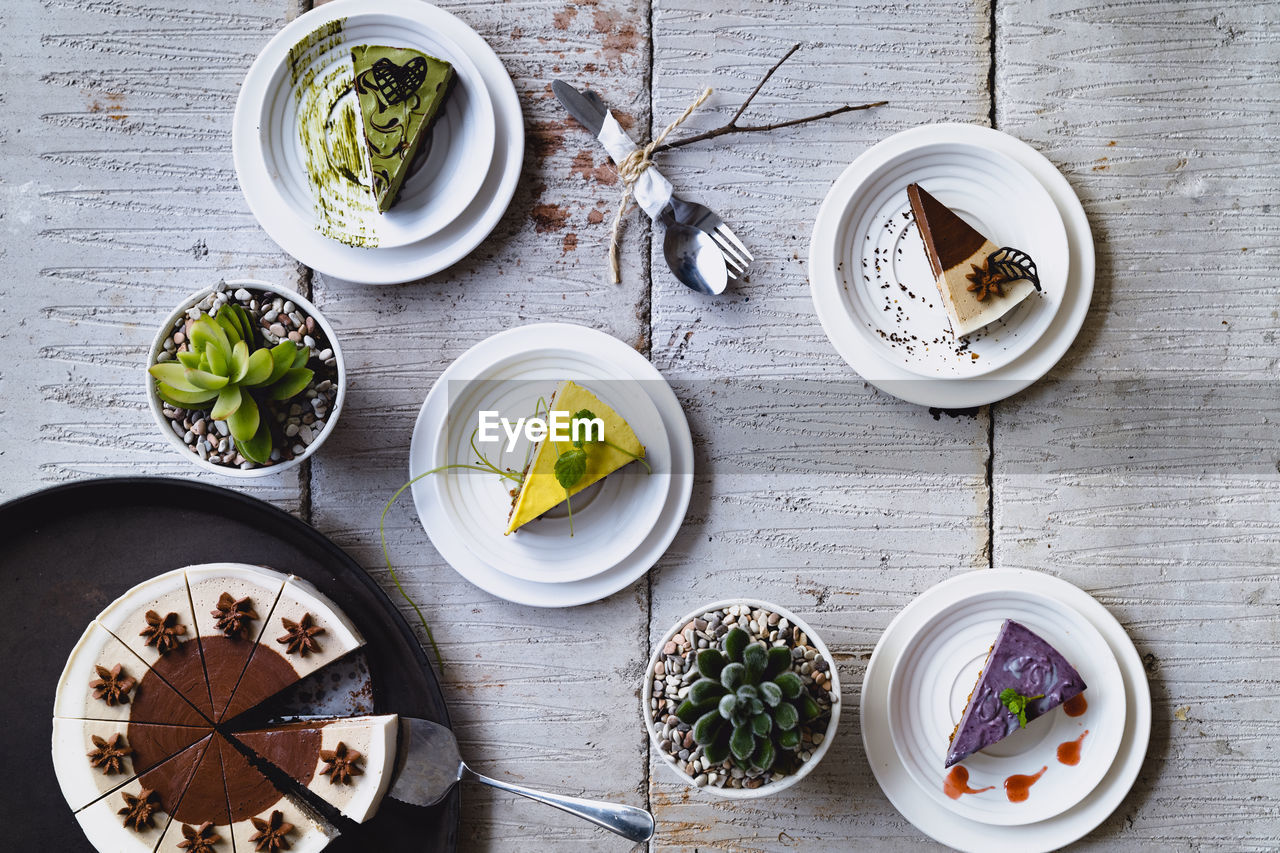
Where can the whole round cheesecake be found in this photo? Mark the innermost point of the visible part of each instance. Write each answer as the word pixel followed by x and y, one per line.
pixel 146 735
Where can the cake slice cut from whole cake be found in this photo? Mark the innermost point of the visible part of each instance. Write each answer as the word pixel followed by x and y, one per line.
pixel 233 604
pixel 155 620
pixel 94 757
pixel 540 490
pixel 136 816
pixel 262 816
pixel 400 92
pixel 979 282
pixel 105 680
pixel 1023 678
pixel 347 762
pixel 306 631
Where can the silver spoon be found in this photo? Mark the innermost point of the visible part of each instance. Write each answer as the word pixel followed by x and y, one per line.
pixel 694 257
pixel 429 765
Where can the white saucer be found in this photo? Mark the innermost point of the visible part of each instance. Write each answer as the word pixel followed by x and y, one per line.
pixel 447 227
pixel 931 683
pixel 1001 185
pixel 551 549
pixel 537 357
pixel 940 822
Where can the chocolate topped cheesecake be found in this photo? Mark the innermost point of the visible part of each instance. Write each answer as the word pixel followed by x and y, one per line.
pixel 979 282
pixel 139 746
pixel 347 762
pixel 155 620
pixel 136 816
pixel 262 815
pixel 306 631
pixel 1023 678
pixel 233 605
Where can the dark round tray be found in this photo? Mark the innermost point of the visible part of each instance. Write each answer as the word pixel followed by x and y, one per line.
pixel 70 550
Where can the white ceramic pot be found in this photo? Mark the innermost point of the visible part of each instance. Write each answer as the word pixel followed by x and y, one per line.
pixel 771 787
pixel 162 422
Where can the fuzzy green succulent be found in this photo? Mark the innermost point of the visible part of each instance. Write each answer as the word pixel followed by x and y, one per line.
pixel 747 704
pixel 223 366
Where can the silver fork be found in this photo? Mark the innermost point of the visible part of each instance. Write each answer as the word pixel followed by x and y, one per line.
pixel 736 255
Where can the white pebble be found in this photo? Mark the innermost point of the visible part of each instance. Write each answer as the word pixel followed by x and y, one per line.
pixel 242 295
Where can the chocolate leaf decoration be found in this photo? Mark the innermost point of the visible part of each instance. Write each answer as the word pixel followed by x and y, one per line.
pixel 1013 265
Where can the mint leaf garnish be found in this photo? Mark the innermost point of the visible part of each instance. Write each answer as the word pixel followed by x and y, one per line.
pixel 570 467
pixel 587 416
pixel 1017 704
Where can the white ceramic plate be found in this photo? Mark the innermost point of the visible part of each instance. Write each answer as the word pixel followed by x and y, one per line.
pixel 887 288
pixel 454 232
pixel 1001 185
pixel 610 518
pixel 930 686
pixel 940 822
pixel 594 353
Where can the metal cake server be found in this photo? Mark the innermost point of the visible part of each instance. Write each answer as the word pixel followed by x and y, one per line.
pixel 692 229
pixel 429 765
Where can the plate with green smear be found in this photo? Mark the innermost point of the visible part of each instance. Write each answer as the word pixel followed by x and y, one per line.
pixel 373 126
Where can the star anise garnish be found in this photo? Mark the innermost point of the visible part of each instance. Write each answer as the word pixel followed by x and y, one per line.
pixel 112 685
pixel 199 839
pixel 110 753
pixel 985 281
pixel 270 836
pixel 163 632
pixel 138 809
pixel 232 615
pixel 302 635
pixel 340 764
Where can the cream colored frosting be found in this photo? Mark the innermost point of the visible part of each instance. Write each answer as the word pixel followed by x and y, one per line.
pixel 966 313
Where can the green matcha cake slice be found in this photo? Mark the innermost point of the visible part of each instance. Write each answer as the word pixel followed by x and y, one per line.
pixel 400 92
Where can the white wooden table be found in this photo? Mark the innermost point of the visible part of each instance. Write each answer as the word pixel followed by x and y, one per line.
pixel 1144 469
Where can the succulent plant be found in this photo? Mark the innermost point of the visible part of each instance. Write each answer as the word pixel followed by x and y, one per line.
pixel 224 366
pixel 747 704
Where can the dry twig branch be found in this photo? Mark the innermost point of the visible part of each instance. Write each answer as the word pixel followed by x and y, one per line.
pixel 733 127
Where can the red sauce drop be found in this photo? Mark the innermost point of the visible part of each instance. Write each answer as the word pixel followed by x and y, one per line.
pixel 1018 788
pixel 958 783
pixel 1069 752
pixel 1076 705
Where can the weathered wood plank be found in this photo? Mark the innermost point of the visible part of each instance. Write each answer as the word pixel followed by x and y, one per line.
pixel 526 688
pixel 1146 470
pixel 813 490
pixel 116 125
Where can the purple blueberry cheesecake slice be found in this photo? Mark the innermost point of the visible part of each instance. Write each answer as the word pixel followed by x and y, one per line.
pixel 1024 678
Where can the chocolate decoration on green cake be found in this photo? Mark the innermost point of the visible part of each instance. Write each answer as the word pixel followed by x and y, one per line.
pixel 112 685
pixel 163 632
pixel 400 91
pixel 398 83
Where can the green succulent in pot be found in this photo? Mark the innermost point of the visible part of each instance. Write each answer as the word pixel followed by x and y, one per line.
pixel 223 365
pixel 747 704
